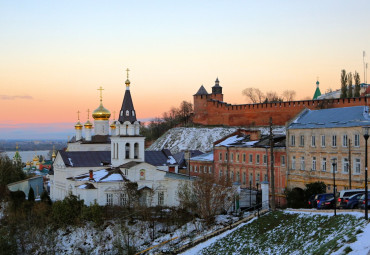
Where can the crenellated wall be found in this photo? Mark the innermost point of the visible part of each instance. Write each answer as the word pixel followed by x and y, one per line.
pixel 208 111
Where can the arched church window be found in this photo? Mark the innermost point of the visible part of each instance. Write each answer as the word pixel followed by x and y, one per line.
pixel 136 151
pixel 133 113
pixel 127 150
pixel 127 113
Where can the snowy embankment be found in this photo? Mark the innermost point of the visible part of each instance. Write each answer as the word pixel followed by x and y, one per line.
pixel 182 138
pixel 293 232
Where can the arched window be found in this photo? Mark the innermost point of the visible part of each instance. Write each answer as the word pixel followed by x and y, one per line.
pixel 127 150
pixel 136 151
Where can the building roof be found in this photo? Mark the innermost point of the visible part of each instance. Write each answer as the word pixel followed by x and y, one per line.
pixel 332 118
pixel 180 157
pixel 236 140
pixel 160 158
pixel 127 105
pixel 85 158
pixel 202 91
pixel 103 175
pixel 203 157
pixel 317 92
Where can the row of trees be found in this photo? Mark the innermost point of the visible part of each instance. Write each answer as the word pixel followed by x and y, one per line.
pixel 9 172
pixel 348 89
pixel 173 118
pixel 255 95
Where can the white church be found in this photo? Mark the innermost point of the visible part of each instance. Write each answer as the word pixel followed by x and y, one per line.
pixel 96 166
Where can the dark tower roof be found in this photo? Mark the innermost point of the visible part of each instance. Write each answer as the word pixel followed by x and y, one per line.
pixel 127 112
pixel 217 89
pixel 202 91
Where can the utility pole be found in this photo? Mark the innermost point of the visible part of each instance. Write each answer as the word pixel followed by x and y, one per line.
pixel 272 168
pixel 349 162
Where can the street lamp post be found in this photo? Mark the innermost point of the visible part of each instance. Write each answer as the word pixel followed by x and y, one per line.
pixel 366 136
pixel 334 163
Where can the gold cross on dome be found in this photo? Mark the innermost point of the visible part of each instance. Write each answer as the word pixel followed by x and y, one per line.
pixel 101 93
pixel 88 114
pixel 114 115
pixel 78 115
pixel 127 70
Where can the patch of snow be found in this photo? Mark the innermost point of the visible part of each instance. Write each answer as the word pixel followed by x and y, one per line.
pixel 171 160
pixel 204 157
pixel 112 178
pixel 83 186
pixel 70 161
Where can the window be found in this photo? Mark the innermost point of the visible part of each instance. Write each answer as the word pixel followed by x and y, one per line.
pixel 302 163
pixel 195 169
pixel 161 198
pixel 357 140
pixel 334 167
pixel 334 141
pixel 345 165
pixel 323 141
pixel 232 175
pixel 293 162
pixel 323 164
pixel 231 157
pixel 244 178
pixel 122 199
pixel 109 199
pixel 257 159
pixel 220 156
pixel 301 141
pixel 265 159
pixel 344 141
pixel 220 173
pixel 250 158
pixel 357 166
pixel 313 163
pixel 210 169
pixel 266 178
pixel 127 113
pixel 237 157
pixel 125 172
pixel 238 176
pixel 258 178
pixel 313 141
pixel 292 140
pixel 226 156
pixel 283 160
pixel 243 157
pixel 250 178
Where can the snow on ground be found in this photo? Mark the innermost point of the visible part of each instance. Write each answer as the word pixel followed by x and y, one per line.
pixel 359 247
pixel 196 249
pixel 182 138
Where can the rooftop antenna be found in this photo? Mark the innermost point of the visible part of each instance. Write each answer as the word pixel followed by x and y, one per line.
pixel 363 60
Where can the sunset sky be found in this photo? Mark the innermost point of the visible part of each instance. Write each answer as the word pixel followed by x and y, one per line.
pixel 55 54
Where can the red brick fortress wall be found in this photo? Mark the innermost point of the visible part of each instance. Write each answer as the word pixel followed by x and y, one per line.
pixel 208 111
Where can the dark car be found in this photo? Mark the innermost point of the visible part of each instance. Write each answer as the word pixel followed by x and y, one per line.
pixel 312 202
pixel 320 198
pixel 326 204
pixel 352 201
pixel 345 194
pixel 361 201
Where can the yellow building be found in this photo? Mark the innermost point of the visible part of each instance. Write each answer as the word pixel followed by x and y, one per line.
pixel 318 138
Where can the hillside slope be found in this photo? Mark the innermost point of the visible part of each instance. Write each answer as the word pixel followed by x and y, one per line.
pixel 182 138
pixel 293 233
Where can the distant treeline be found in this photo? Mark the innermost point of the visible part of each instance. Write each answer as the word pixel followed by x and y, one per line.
pixel 175 117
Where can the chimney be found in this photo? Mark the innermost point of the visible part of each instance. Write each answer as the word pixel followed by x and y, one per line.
pixel 91 175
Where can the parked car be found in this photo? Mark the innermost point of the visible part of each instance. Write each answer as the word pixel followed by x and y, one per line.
pixel 361 201
pixel 326 204
pixel 320 198
pixel 312 202
pixel 345 194
pixel 352 201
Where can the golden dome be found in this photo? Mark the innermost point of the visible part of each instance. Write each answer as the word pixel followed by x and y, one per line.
pixel 88 125
pixel 78 125
pixel 113 125
pixel 127 82
pixel 35 158
pixel 101 113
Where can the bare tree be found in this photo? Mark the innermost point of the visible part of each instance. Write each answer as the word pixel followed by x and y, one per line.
pixel 272 96
pixel 288 95
pixel 254 95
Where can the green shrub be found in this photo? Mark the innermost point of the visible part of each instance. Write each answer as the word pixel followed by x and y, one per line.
pixel 93 213
pixel 68 211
